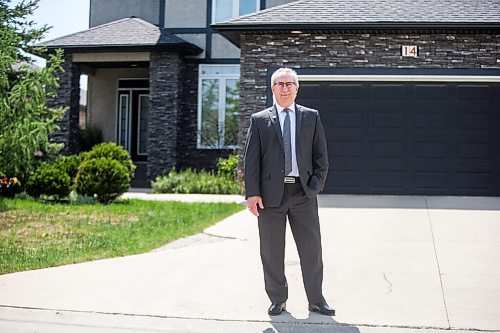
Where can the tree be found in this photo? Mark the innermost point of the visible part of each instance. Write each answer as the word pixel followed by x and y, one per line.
pixel 25 120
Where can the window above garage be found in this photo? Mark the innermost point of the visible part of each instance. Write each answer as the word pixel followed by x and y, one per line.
pixel 227 9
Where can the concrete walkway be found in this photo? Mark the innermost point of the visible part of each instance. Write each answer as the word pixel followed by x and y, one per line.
pixel 392 264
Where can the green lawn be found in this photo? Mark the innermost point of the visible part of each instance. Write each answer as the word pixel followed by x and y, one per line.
pixel 38 235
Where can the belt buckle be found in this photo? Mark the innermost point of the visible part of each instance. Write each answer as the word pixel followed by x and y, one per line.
pixel 289 180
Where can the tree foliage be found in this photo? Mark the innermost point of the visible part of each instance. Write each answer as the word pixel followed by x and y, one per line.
pixel 25 120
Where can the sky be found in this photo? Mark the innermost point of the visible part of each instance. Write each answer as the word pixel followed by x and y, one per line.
pixel 64 16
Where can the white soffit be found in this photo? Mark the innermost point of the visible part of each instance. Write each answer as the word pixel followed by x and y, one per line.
pixel 111 57
pixel 401 78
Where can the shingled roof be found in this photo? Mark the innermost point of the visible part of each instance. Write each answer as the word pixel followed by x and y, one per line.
pixel 368 14
pixel 126 34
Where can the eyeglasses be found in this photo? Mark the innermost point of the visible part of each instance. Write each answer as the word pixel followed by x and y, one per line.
pixel 281 85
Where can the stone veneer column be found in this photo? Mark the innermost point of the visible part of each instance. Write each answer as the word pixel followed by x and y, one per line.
pixel 165 87
pixel 68 96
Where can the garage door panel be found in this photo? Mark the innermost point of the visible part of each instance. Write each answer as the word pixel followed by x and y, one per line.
pixel 346 149
pixel 388 181
pixel 431 181
pixel 430 92
pixel 393 92
pixel 475 151
pixel 342 134
pixel 432 119
pixel 387 164
pixel 387 149
pixel 426 165
pixel 311 90
pixel 474 125
pixel 431 150
pixel 345 182
pixel 346 92
pixel 473 92
pixel 476 183
pixel 346 120
pixel 389 120
pixel 348 164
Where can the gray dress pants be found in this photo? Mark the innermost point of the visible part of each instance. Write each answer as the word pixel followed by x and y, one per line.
pixel 302 213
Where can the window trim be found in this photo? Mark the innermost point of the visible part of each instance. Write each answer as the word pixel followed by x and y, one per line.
pixel 138 153
pixel 222 103
pixel 236 9
pixel 122 103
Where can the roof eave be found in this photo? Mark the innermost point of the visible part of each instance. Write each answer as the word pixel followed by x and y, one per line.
pixel 184 48
pixel 232 31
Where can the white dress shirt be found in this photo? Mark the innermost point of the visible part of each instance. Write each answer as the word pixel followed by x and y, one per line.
pixel 282 115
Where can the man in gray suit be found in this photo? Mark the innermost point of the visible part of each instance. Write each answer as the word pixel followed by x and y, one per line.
pixel 286 163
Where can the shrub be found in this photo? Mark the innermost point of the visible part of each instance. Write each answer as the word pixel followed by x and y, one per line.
pixel 70 164
pixel 49 180
pixel 228 167
pixel 103 178
pixel 190 181
pixel 112 151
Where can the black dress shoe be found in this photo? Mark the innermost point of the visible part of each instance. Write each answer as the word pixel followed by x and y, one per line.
pixel 322 308
pixel 276 309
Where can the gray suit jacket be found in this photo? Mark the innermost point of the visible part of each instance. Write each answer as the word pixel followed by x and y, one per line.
pixel 265 157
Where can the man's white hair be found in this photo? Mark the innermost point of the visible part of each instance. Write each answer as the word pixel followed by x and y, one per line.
pixel 285 70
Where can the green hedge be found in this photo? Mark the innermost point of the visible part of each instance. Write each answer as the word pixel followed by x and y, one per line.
pixel 191 181
pixel 49 180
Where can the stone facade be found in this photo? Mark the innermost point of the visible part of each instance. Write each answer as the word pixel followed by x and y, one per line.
pixel 165 90
pixel 261 53
pixel 68 97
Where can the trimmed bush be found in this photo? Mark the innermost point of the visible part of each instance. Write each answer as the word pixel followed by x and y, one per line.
pixel 70 164
pixel 190 181
pixel 49 180
pixel 112 151
pixel 103 178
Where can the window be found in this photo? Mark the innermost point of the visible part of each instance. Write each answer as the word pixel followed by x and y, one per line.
pixel 123 121
pixel 226 9
pixel 142 135
pixel 218 106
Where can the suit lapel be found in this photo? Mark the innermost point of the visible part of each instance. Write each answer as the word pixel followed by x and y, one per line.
pixel 298 123
pixel 273 115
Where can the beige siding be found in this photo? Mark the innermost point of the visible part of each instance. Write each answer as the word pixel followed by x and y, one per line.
pixel 102 102
pixel 223 49
pixel 186 14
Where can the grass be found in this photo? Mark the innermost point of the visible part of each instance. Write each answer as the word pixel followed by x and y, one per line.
pixel 37 235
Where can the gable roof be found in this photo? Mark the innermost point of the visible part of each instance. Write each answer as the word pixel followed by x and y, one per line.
pixel 367 14
pixel 126 34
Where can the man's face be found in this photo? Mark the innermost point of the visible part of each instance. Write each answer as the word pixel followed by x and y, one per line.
pixel 284 90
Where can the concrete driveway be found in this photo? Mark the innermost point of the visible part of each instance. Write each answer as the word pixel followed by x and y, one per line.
pixel 392 264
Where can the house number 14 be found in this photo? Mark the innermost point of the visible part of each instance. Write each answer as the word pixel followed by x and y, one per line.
pixel 409 51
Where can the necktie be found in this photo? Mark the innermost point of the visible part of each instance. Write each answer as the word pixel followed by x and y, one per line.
pixel 287 141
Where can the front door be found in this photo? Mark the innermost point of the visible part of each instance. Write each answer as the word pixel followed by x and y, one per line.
pixel 133 111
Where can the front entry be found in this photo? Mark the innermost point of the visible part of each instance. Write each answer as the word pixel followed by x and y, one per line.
pixel 132 126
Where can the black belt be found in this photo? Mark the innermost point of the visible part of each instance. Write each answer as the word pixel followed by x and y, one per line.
pixel 291 180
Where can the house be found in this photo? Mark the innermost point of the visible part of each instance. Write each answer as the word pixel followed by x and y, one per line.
pixel 408 91
pixel 161 82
